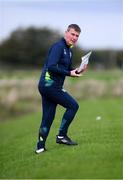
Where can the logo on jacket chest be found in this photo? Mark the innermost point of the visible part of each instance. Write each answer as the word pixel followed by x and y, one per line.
pixel 70 54
pixel 65 53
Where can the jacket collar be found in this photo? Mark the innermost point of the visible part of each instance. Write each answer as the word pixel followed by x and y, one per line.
pixel 63 39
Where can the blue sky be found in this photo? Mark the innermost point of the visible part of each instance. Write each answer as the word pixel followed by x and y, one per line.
pixel 101 21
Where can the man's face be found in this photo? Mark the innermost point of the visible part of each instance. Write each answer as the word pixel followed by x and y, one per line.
pixel 71 36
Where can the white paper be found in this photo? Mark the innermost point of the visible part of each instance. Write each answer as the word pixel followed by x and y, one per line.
pixel 85 61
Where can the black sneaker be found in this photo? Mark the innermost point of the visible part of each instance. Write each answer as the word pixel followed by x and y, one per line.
pixel 65 140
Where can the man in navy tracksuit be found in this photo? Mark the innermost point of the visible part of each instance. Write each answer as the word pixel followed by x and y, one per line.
pixel 56 68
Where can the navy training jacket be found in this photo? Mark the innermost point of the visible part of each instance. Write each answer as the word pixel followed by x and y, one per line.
pixel 58 64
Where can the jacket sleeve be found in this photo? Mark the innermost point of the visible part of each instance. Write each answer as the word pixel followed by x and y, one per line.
pixel 53 59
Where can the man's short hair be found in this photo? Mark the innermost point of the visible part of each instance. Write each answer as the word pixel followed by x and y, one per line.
pixel 75 27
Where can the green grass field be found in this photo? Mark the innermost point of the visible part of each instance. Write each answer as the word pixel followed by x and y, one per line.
pixel 99 154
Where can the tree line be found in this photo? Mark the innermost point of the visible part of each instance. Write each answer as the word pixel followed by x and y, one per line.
pixel 28 48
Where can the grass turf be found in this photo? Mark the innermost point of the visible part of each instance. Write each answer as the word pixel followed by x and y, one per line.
pixel 99 154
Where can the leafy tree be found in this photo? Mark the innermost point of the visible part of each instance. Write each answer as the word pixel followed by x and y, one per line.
pixel 27 46
pixel 120 59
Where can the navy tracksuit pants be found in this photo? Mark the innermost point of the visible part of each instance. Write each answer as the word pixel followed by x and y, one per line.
pixel 51 97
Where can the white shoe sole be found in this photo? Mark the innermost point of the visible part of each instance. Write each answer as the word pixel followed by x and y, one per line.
pixel 38 151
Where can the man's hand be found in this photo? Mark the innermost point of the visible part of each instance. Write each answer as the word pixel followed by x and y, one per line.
pixel 74 74
pixel 83 70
